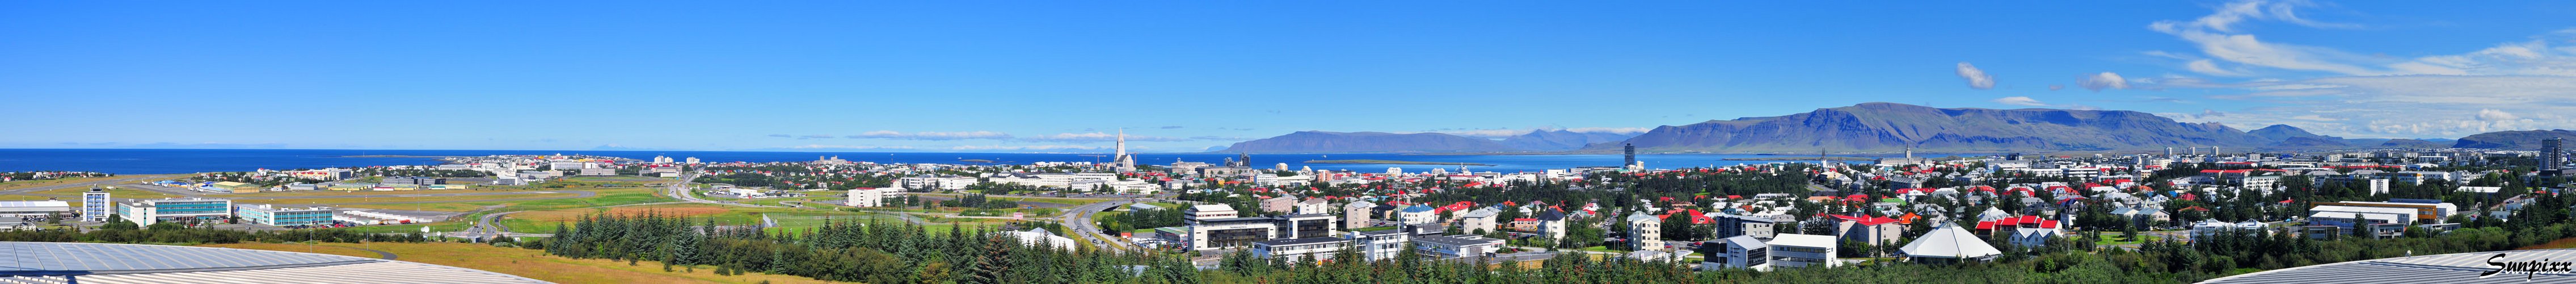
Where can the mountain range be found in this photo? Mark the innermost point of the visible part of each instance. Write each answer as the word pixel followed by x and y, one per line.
pixel 1890 127
pixel 1427 142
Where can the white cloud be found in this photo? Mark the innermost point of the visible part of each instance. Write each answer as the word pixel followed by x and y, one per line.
pixel 856 147
pixel 2204 66
pixel 1097 137
pixel 2056 87
pixel 2216 37
pixel 2020 101
pixel 2104 80
pixel 887 134
pixel 1026 147
pixel 2496 115
pixel 1501 133
pixel 1612 130
pixel 1977 79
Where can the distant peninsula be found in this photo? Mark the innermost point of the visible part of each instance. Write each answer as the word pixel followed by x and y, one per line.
pixel 395 156
pixel 1394 162
pixel 1801 159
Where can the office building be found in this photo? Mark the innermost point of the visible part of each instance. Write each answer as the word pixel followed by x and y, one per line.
pixel 147 212
pixel 1219 233
pixel 2429 211
pixel 1801 250
pixel 264 214
pixel 1380 245
pixel 1631 152
pixel 1459 246
pixel 1197 213
pixel 1292 250
pixel 413 182
pixel 96 205
pixel 872 197
pixel 2553 157
pixel 1729 225
pixel 1305 226
pixel 1744 252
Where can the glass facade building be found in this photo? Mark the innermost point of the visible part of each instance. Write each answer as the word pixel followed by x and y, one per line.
pixel 273 216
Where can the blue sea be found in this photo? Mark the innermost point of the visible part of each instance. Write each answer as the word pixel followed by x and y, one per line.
pixel 161 161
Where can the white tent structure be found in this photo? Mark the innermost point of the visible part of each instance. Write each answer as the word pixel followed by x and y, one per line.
pixel 1949 244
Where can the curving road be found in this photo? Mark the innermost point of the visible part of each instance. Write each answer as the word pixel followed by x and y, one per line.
pixel 1079 220
pixel 680 189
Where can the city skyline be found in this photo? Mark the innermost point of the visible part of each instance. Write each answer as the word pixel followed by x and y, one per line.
pixel 1180 77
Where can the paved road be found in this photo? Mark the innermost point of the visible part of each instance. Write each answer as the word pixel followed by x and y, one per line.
pixel 118 181
pixel 680 189
pixel 1079 220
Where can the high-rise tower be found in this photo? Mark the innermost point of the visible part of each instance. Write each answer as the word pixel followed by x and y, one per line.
pixel 2553 157
pixel 95 205
pixel 1631 150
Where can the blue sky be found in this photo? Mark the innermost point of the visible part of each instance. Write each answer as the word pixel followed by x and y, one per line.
pixel 1186 75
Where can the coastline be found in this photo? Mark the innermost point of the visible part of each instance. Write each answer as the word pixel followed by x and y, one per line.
pixel 1394 162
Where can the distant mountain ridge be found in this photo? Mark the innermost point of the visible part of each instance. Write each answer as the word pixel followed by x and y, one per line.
pixel 1428 142
pixel 1889 127
pixel 1368 142
pixel 1560 140
pixel 2512 140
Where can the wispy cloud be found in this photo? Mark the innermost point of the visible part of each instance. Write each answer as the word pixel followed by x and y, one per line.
pixel 1977 79
pixel 1172 127
pixel 2027 101
pixel 1508 132
pixel 1097 137
pixel 2020 101
pixel 2513 85
pixel 782 135
pixel 1025 147
pixel 852 147
pixel 2104 80
pixel 888 134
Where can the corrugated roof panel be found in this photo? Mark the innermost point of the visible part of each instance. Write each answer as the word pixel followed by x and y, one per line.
pixel 2445 268
pixel 129 263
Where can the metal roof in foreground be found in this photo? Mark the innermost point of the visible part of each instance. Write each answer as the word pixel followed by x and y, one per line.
pixel 38 262
pixel 2443 268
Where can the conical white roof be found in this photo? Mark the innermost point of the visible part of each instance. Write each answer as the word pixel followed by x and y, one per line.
pixel 1949 242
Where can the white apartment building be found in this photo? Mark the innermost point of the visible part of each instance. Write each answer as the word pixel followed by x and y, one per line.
pixel 872 197
pixel 1801 250
pixel 1645 231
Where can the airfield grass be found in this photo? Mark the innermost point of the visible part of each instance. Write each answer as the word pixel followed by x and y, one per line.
pixel 606 197
pixel 534 263
pixel 118 193
pixel 18 184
